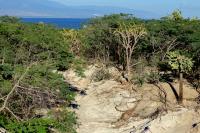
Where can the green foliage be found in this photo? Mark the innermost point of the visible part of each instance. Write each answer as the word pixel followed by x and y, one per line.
pixel 6 71
pixel 139 80
pixel 80 71
pixel 148 77
pixel 179 62
pixel 175 16
pixel 63 121
pixel 42 76
pixel 24 44
pixel 99 39
pixel 64 60
pixel 39 125
pixel 6 74
pixel 73 38
pixel 78 65
pixel 153 77
pixel 8 19
pixel 21 45
pixel 101 74
pixel 5 86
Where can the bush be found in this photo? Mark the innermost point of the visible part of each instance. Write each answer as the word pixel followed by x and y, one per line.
pixel 139 80
pixel 6 71
pixel 139 77
pixel 41 75
pixel 22 44
pixel 63 121
pixel 38 125
pixel 102 74
pixel 153 77
pixel 5 87
pixel 78 65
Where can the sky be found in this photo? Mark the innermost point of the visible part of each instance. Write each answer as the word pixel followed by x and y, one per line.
pixel 89 8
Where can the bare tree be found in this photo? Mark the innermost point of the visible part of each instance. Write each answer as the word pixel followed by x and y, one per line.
pixel 129 35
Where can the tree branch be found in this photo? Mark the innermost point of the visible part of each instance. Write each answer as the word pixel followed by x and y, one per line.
pixel 4 106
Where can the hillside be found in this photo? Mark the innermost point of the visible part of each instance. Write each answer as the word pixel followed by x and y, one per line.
pixel 37 8
pixel 99 110
pixel 117 74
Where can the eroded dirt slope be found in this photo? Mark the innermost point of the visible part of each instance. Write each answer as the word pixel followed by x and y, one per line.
pixel 102 109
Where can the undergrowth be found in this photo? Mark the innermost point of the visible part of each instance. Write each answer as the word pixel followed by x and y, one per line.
pixel 61 121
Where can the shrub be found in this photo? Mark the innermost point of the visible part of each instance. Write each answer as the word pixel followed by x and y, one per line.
pixel 78 65
pixel 153 77
pixel 139 80
pixel 102 74
pixel 38 125
pixel 5 87
pixel 6 71
pixel 41 75
pixel 139 77
pixel 43 45
pixel 63 121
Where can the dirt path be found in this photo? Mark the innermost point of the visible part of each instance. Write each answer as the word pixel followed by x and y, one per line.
pixel 97 110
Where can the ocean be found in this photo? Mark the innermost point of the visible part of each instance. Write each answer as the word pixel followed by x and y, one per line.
pixel 70 23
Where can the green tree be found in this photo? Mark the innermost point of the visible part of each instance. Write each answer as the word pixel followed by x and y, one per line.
pixel 99 39
pixel 21 93
pixel 182 64
pixel 9 19
pixel 175 16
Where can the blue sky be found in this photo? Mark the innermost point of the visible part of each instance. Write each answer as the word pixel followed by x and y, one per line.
pixel 87 8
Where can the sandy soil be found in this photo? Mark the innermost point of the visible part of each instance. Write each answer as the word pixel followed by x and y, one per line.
pixel 97 112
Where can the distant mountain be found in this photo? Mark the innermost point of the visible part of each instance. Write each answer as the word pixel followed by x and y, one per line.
pixel 32 8
pixel 46 8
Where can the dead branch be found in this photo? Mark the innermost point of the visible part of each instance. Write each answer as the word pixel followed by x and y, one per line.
pixel 4 106
pixel 169 46
pixel 162 94
pixel 26 99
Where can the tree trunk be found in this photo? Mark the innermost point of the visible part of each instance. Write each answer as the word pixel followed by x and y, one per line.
pixel 108 54
pixel 180 88
pixel 118 55
pixel 128 71
pixel 128 65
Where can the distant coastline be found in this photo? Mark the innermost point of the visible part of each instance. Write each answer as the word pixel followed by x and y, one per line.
pixel 71 23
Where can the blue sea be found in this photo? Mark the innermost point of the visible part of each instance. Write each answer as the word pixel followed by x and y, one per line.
pixel 70 23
